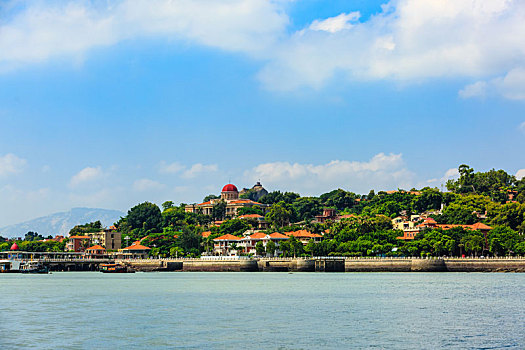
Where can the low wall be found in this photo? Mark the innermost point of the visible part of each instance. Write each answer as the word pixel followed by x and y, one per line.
pixel 151 265
pixel 220 265
pixel 326 265
pixel 435 265
pixel 378 265
pixel 485 265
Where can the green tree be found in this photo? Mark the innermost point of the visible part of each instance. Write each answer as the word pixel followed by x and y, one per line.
pixel 218 211
pixel 307 207
pixel 167 205
pixel 210 197
pixel 145 216
pixel 33 236
pixel 259 248
pixel 280 214
pixel 95 226
pixel 234 227
pixel 249 210
pixel 270 248
pixel 277 196
pixel 339 199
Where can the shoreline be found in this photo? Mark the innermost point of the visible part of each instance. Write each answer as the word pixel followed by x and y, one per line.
pixel 330 265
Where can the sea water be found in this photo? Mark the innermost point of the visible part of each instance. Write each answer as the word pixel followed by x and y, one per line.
pixel 90 310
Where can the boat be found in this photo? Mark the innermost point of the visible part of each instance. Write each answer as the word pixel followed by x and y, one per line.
pixel 17 266
pixel 114 268
pixel 6 266
pixel 33 267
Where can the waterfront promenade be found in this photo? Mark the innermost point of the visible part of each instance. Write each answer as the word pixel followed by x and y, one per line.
pixel 77 262
pixel 332 264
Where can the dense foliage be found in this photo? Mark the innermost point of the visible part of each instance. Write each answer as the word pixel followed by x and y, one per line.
pixel 364 229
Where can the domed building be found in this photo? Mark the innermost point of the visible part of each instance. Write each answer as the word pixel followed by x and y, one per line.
pixel 230 195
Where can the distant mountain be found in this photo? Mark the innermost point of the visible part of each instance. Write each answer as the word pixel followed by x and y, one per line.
pixel 61 223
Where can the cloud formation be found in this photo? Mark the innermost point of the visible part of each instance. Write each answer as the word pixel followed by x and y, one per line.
pixel 187 172
pixel 198 169
pixel 86 175
pixel 147 185
pixel 520 174
pixel 45 30
pixel 383 171
pixel 11 164
pixel 408 40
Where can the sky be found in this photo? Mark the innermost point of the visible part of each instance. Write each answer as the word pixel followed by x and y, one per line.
pixel 111 103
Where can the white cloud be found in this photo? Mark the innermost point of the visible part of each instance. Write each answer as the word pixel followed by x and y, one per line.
pixel 520 174
pixel 185 172
pixel 147 185
pixel 43 30
pixel 522 127
pixel 198 169
pixel 452 173
pixel 510 86
pixel 87 175
pixel 477 89
pixel 11 164
pixel 170 168
pixel 382 171
pixel 409 41
pixel 335 24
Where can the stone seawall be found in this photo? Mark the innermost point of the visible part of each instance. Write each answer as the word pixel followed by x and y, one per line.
pixel 435 265
pixel 220 265
pixel 379 265
pixel 330 265
pixel 485 265
pixel 151 265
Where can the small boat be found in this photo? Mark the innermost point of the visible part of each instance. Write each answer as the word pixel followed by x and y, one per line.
pixel 33 267
pixel 114 268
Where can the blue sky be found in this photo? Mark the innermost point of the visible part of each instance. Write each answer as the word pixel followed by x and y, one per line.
pixel 111 103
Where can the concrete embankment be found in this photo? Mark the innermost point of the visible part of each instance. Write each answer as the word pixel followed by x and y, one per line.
pixel 435 265
pixel 220 265
pixel 329 265
pixel 151 265
pixel 378 265
pixel 485 265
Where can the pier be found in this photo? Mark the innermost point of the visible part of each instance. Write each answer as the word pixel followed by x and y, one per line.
pixel 60 261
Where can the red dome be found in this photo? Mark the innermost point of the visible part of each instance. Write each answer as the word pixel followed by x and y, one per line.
pixel 14 246
pixel 229 188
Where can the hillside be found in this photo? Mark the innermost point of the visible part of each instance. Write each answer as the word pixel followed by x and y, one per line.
pixel 61 223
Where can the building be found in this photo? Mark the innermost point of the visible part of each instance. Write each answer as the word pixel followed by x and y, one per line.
pixel 258 219
pixel 230 195
pixel 248 243
pixel 329 214
pixel 108 238
pixel 411 231
pixel 304 236
pixel 255 193
pixel 77 243
pixel 227 245
pixel 135 251
pixel 95 252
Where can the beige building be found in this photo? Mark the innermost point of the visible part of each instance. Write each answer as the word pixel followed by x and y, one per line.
pixel 230 195
pixel 109 239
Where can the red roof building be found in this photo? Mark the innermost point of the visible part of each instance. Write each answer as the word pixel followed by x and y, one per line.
pixel 230 188
pixel 96 251
pixel 229 195
pixel 224 245
pixel 304 236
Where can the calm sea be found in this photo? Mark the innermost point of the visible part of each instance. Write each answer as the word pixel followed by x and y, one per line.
pixel 90 310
